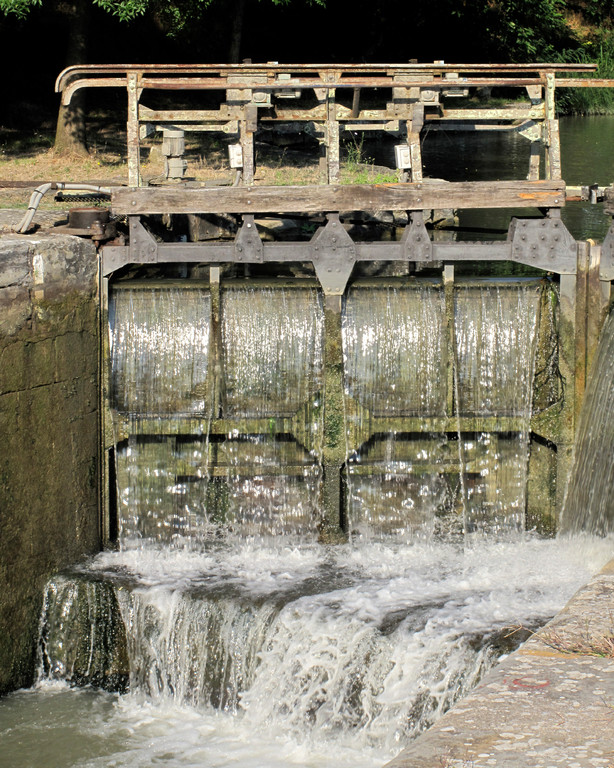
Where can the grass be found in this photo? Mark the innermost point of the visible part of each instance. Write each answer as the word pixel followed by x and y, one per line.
pixel 590 101
pixel 601 646
pixel 28 156
pixel 358 168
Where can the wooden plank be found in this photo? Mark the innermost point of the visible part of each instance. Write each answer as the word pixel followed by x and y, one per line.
pixel 132 129
pixel 423 195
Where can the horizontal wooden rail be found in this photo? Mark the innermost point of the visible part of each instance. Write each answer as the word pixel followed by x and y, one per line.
pixel 224 70
pixel 425 195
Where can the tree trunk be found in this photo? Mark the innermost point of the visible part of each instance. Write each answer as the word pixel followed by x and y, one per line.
pixel 236 33
pixel 70 130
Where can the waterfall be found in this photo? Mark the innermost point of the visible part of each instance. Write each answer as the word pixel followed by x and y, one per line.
pixel 273 347
pixel 223 632
pixel 588 505
pixel 438 387
pixel 216 432
pixel 363 646
pixel 496 331
pixel 395 374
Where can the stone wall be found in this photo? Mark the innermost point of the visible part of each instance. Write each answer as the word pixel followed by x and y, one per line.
pixel 48 430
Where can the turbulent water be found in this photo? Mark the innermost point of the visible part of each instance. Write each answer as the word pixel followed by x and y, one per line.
pixel 258 656
pixel 209 639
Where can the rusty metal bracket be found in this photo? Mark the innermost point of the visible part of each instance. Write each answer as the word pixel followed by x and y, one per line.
pixel 416 244
pixel 143 246
pixel 606 265
pixel 543 243
pixel 248 245
pixel 334 256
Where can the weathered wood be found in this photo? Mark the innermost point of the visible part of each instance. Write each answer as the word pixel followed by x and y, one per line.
pixel 134 161
pixel 553 150
pixel 424 195
pixel 82 70
pixel 414 127
pixel 332 139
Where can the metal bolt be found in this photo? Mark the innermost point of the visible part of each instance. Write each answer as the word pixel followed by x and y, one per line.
pixel 134 202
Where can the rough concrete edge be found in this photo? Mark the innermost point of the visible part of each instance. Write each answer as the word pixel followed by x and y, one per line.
pixel 566 623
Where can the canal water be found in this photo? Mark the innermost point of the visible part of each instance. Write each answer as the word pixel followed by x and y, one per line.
pixel 187 649
pixel 479 156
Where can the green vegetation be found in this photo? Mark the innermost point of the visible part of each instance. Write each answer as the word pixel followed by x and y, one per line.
pixel 359 168
pixel 590 101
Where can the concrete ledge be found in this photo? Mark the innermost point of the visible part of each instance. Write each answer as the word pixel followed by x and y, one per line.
pixel 551 703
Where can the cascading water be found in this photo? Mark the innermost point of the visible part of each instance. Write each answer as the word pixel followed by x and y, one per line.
pixel 427 435
pixel 495 330
pixel 395 348
pixel 589 505
pixel 209 650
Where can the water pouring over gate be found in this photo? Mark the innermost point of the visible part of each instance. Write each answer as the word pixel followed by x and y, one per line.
pixel 240 639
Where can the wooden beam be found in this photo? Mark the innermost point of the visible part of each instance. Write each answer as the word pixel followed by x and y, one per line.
pixel 424 195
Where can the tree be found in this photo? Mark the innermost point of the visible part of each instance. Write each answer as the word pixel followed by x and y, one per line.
pixel 174 18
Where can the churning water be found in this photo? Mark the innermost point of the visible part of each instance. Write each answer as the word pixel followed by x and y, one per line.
pixel 212 639
pixel 253 655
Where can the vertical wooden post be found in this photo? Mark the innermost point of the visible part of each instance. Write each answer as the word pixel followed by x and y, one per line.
pixel 448 287
pixel 597 303
pixel 534 161
pixel 215 343
pixel 567 365
pixel 414 127
pixel 332 138
pixel 106 442
pixel 132 129
pixel 552 138
pixel 581 329
pixel 334 451
pixel 247 128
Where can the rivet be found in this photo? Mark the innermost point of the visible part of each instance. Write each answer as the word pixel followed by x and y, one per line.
pixel 134 202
